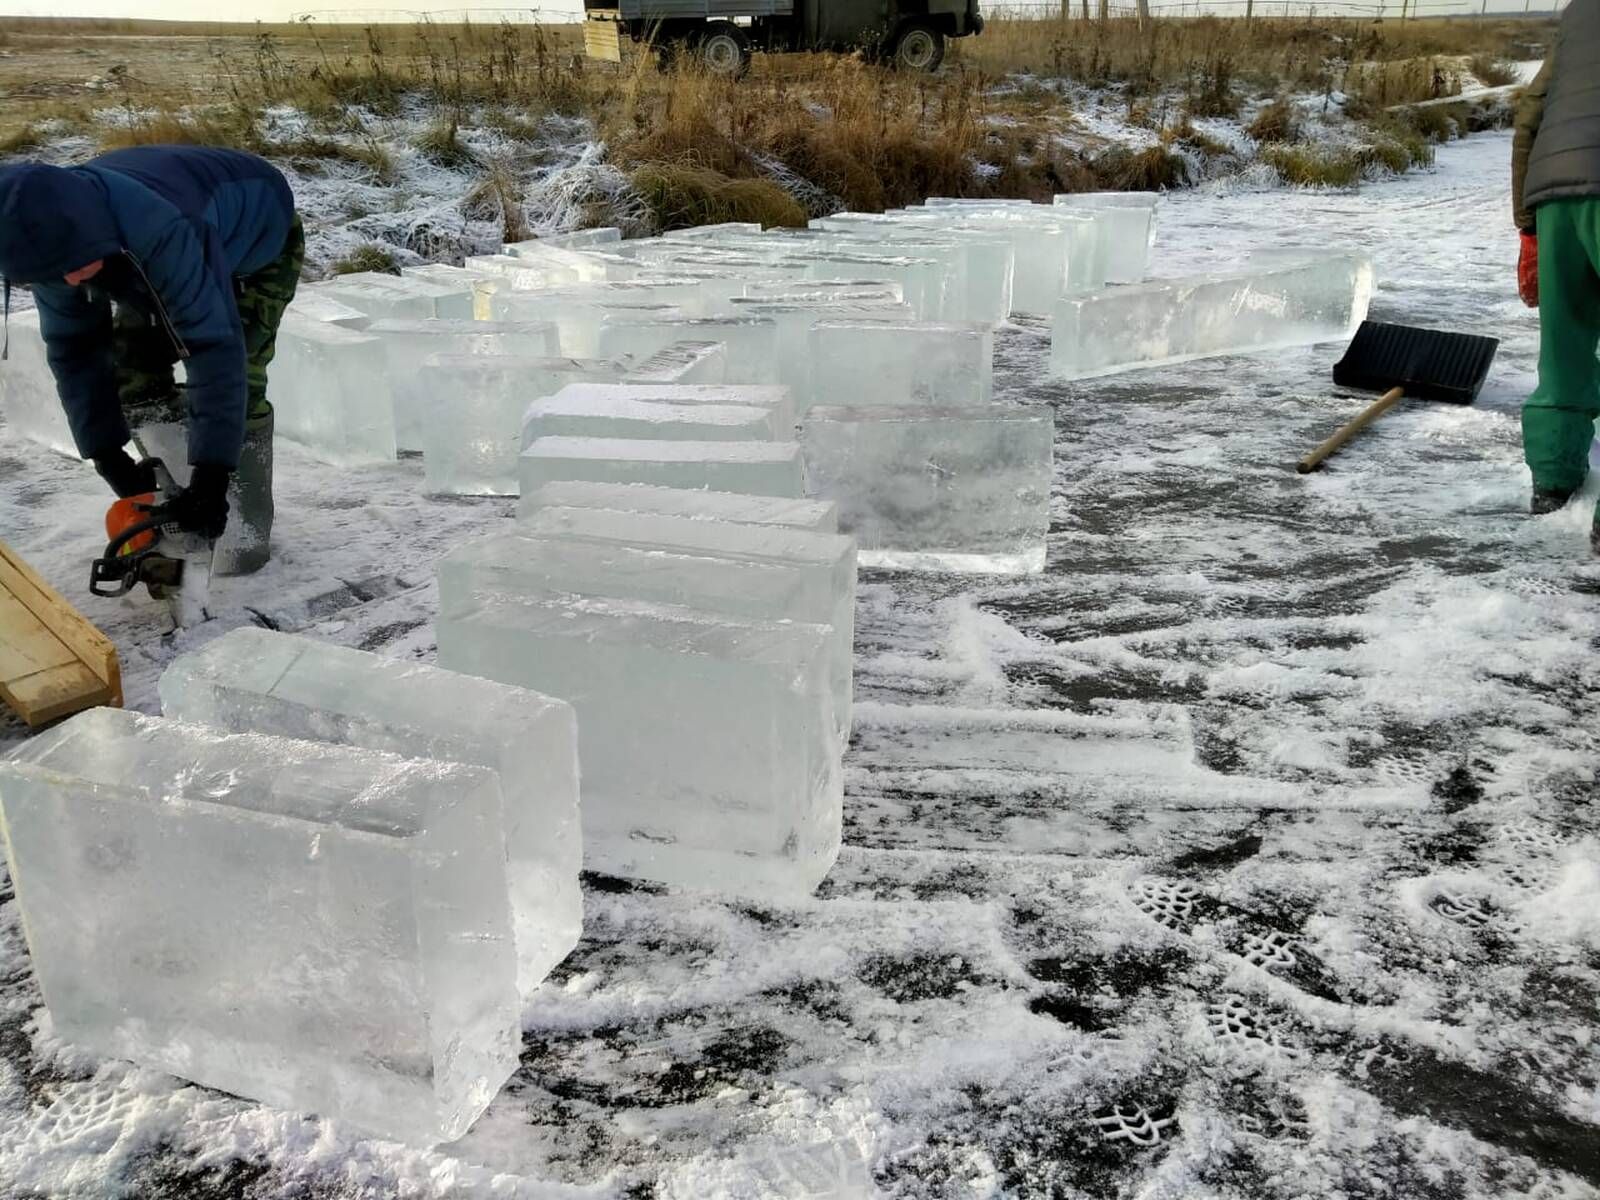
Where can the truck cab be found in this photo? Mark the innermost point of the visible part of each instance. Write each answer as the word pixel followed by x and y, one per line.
pixel 721 34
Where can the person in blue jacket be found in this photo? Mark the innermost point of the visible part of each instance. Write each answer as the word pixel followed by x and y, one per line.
pixel 143 258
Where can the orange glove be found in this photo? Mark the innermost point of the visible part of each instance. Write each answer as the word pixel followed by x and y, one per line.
pixel 1528 270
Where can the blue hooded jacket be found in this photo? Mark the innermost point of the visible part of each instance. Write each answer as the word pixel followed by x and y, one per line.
pixel 188 220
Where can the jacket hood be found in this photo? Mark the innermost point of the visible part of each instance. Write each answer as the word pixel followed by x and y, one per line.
pixel 52 220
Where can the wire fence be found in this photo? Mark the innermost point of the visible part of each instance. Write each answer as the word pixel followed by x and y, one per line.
pixel 1014 9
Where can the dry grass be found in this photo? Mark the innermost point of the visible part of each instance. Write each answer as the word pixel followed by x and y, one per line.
pixel 1277 122
pixel 696 144
pixel 374 256
pixel 680 197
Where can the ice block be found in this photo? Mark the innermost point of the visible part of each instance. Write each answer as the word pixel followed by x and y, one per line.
pixel 755 468
pixel 579 313
pixel 319 306
pixel 936 489
pixel 380 295
pixel 683 362
pixel 317 927
pixel 760 571
pixel 776 400
pixel 1234 312
pixel 29 402
pixel 472 428
pixel 1130 218
pixel 578 239
pixel 257 681
pixel 815 516
pixel 329 388
pixel 406 343
pixel 481 284
pixel 794 318
pixel 944 364
pixel 710 751
pixel 750 342
pixel 628 417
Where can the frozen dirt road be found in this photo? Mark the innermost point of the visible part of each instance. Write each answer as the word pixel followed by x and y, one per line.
pixel 1249 852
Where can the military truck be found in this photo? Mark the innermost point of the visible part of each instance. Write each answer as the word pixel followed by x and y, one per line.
pixel 722 34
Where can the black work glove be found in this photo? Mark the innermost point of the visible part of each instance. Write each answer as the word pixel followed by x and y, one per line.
pixel 202 507
pixel 126 477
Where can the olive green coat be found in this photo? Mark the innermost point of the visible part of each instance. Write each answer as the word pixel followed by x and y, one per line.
pixel 1556 149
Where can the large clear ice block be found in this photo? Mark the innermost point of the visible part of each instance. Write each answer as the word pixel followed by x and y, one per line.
pixel 777 400
pixel 28 397
pixel 317 927
pixel 1235 312
pixel 952 489
pixel 1130 219
pixel 379 295
pixel 750 343
pixel 579 312
pixel 945 364
pixel 406 343
pixel 710 750
pixel 629 417
pixel 319 306
pixel 755 468
pixel 762 571
pixel 258 681
pixel 329 388
pixel 683 362
pixel 815 516
pixel 793 319
pixel 472 426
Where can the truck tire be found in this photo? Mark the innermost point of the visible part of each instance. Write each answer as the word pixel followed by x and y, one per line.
pixel 920 47
pixel 724 49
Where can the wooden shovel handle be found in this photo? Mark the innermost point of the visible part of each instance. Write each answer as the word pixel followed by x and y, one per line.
pixel 1368 415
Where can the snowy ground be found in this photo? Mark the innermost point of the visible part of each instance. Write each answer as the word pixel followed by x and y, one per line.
pixel 1247 853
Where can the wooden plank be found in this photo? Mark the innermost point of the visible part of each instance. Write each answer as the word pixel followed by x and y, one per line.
pixel 52 660
pixel 28 645
pixel 56 693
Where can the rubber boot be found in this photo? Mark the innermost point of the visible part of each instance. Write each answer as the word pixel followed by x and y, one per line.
pixel 247 543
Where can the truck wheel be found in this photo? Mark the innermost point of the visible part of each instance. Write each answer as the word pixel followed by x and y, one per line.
pixel 919 47
pixel 725 50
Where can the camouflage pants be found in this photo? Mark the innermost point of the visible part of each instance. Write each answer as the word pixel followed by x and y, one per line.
pixel 144 354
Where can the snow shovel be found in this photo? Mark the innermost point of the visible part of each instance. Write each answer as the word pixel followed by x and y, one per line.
pixel 1406 363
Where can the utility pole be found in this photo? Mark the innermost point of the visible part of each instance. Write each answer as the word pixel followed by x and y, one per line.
pixel 1144 11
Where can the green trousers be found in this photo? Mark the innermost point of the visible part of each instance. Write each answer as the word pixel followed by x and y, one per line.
pixel 1558 419
pixel 144 354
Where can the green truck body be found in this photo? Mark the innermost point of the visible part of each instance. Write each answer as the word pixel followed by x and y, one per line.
pixel 722 33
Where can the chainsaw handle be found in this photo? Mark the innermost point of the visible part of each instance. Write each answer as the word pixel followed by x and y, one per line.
pixel 115 567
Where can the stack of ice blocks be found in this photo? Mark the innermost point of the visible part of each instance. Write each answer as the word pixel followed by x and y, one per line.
pixel 323 928
pixel 1282 303
pixel 704 641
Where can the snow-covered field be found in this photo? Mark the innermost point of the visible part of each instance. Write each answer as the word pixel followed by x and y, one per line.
pixel 1246 853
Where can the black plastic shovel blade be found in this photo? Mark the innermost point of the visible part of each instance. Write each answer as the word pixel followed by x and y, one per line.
pixel 1429 364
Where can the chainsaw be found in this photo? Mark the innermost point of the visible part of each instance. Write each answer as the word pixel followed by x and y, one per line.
pixel 147 547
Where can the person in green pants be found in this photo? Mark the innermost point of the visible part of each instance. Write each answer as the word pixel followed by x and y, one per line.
pixel 1555 182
